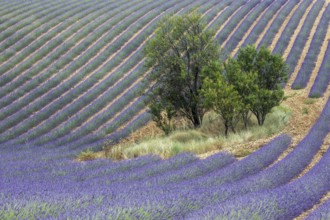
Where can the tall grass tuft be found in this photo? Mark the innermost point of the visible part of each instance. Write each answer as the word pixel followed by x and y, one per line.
pixel 209 137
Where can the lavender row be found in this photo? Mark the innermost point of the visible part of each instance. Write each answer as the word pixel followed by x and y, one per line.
pixel 321 213
pixel 285 202
pixel 64 86
pixel 77 119
pixel 143 172
pixel 199 168
pixel 104 203
pixel 280 173
pixel 252 164
pixel 206 194
pixel 103 87
pixel 85 135
pixel 25 36
pixel 188 195
pixel 310 60
pixel 215 6
pixel 7 7
pixel 39 49
pixel 69 53
pixel 262 23
pixel 55 48
pixel 278 21
pixel 238 16
pixel 97 142
pixel 18 63
pixel 74 54
pixel 291 26
pixel 62 35
pixel 251 17
pixel 303 35
pixel 231 8
pixel 18 31
pixel 16 19
pixel 73 93
pixel 13 13
pixel 322 79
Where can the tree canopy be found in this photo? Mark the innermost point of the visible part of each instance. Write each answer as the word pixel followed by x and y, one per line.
pixel 180 49
pixel 271 72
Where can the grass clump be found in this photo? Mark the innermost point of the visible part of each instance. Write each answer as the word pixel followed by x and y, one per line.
pixel 208 138
pixel 310 101
pixel 86 155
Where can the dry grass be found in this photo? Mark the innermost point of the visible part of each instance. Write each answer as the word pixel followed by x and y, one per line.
pixel 209 138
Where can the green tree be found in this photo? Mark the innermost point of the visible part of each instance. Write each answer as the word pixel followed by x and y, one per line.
pixel 176 55
pixel 271 71
pixel 163 114
pixel 271 68
pixel 263 101
pixel 223 98
pixel 245 83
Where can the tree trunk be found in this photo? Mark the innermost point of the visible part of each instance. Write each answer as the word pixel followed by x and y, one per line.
pixel 263 117
pixel 233 129
pixel 245 116
pixel 226 130
pixel 197 118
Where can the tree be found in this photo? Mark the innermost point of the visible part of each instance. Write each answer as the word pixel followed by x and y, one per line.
pixel 271 72
pixel 162 114
pixel 223 98
pixel 176 55
pixel 245 83
pixel 271 68
pixel 263 101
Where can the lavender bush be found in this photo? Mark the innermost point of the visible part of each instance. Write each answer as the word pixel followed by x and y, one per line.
pixel 278 21
pixel 303 35
pixel 245 25
pixel 261 25
pixel 309 63
pixel 322 80
pixel 284 40
pixel 321 213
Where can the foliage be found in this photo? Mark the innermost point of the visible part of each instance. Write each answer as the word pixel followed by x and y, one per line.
pixel 163 114
pixel 86 155
pixel 224 100
pixel 178 52
pixel 205 139
pixel 271 72
pixel 244 83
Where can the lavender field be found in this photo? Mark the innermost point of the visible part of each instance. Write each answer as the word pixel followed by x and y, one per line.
pixel 71 79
